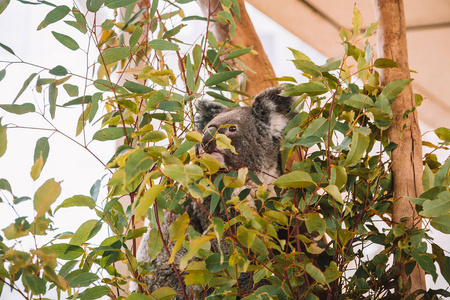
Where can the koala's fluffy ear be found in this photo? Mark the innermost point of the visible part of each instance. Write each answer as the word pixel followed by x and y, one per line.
pixel 273 109
pixel 206 111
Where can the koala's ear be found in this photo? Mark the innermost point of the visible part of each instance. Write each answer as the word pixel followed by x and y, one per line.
pixel 273 109
pixel 206 111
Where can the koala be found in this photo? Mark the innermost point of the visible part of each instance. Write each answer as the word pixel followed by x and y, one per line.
pixel 256 132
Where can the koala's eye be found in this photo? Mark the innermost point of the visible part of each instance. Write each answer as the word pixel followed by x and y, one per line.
pixel 232 128
pixel 212 129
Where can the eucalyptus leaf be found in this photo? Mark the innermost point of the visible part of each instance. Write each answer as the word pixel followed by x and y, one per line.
pixel 112 133
pixel 54 15
pixel 66 40
pixel 221 77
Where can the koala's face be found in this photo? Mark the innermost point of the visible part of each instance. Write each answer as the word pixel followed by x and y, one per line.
pixel 238 126
pixel 254 131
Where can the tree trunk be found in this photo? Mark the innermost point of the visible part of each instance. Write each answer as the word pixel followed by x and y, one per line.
pixel 407 165
pixel 246 36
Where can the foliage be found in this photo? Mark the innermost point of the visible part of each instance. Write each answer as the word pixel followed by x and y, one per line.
pixel 313 237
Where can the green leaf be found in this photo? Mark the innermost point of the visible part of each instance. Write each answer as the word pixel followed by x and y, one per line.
pixel 94 5
pixel 45 196
pixel 427 178
pixel 443 261
pixel 86 231
pixel 334 192
pixel 135 36
pixel 443 133
pixel 311 88
pixel 315 224
pixel 317 128
pixel 307 66
pixel 190 80
pixel 238 52
pixel 164 293
pixel 137 88
pixel 163 45
pixel 331 274
pixel 436 207
pixel 385 63
pixel 221 77
pixel 54 15
pixel 36 284
pixel 3 5
pixel 442 223
pixel 72 90
pixel 359 101
pixel 371 29
pixel 66 40
pixel 359 144
pixel 196 18
pixel 137 163
pixel 338 176
pixel 295 179
pixel 112 133
pixel 184 148
pixel 155 243
pixel 52 95
pixel 331 64
pixel 425 261
pixel 81 278
pixel 3 139
pixel 299 55
pixel 4 185
pixel 24 86
pixel 112 55
pixel 170 33
pixel 443 175
pixel 216 262
pixel 382 103
pixel 59 71
pixel 137 296
pixel 18 109
pixel 67 251
pixel 7 48
pixel 153 137
pixel 119 3
pixel 315 273
pixel 2 74
pixel 94 292
pixel 226 18
pixel 77 200
pixel 394 88
pixel 276 216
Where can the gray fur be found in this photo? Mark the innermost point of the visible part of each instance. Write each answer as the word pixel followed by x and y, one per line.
pixel 257 140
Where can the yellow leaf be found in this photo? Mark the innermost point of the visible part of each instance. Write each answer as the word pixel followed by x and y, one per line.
pixel 45 196
pixel 146 201
pixel 37 168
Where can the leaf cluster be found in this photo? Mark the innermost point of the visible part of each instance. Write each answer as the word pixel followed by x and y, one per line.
pixel 309 239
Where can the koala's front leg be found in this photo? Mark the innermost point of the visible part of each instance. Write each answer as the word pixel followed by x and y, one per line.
pixel 163 273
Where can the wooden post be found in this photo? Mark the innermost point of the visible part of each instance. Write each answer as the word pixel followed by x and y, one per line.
pixel 246 36
pixel 407 165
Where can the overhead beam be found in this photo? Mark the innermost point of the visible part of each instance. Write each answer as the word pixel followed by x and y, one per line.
pixel 314 27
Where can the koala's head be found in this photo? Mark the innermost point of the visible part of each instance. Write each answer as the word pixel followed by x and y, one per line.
pixel 255 131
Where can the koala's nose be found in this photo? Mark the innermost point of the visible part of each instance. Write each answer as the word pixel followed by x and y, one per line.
pixel 208 142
